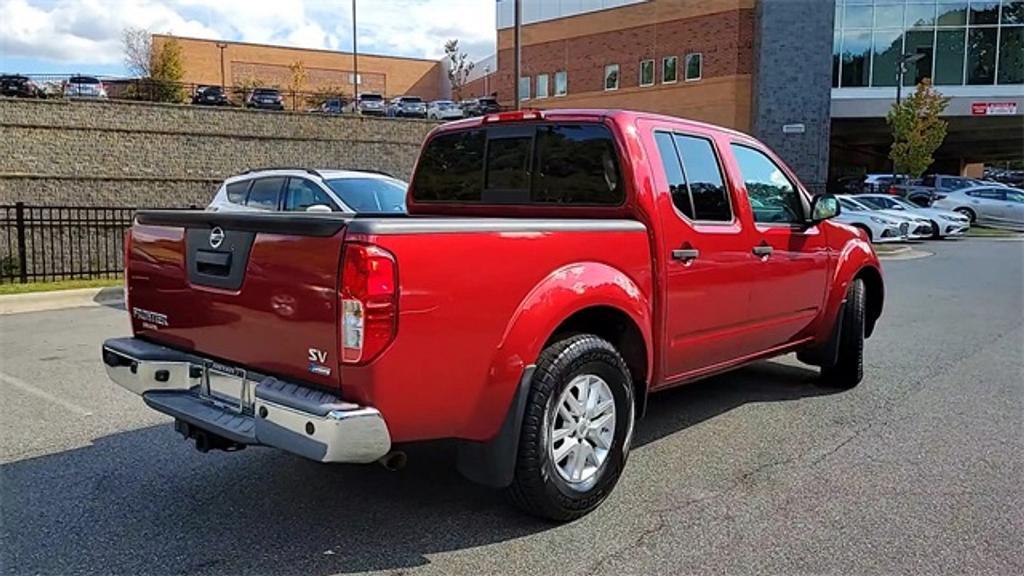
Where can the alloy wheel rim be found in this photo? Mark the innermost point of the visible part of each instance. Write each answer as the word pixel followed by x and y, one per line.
pixel 582 428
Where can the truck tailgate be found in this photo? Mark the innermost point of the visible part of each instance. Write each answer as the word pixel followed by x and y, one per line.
pixel 255 290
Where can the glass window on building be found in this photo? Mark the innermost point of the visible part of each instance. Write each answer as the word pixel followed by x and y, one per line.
pixel 669 70
pixel 888 47
pixel 1011 55
pixel 542 86
pixel 981 55
pixel 561 83
pixel 524 88
pixel 837 45
pixel 859 16
pixel 951 13
pixel 889 14
pixel 921 42
pixel 1013 12
pixel 611 77
pixel 920 15
pixel 856 58
pixel 647 73
pixel 984 13
pixel 949 57
pixel 693 67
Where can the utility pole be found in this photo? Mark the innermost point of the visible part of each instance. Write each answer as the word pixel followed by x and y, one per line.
pixel 222 46
pixel 355 59
pixel 515 68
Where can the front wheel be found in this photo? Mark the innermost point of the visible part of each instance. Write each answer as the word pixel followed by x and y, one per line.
pixel 849 368
pixel 576 430
pixel 968 213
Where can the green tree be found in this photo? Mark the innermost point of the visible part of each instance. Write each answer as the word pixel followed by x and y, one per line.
pixel 917 129
pixel 167 71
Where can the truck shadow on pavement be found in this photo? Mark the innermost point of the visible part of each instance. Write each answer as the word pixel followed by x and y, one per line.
pixel 144 502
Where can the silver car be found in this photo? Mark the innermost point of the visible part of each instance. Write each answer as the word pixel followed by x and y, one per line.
pixel 84 87
pixel 944 222
pixel 988 205
pixel 306 190
pixel 918 226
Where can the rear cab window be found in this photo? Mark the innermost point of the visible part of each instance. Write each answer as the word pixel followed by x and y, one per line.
pixel 694 175
pixel 561 163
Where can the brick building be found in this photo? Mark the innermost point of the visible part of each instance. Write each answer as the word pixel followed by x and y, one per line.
pixel 812 78
pixel 239 63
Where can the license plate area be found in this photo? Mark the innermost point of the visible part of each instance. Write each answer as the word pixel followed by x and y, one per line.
pixel 228 387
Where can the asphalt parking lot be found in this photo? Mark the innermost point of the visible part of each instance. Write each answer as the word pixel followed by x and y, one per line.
pixel 918 470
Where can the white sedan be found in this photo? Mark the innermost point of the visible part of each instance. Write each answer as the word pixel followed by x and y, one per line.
pixel 989 205
pixel 878 228
pixel 919 227
pixel 944 222
pixel 444 110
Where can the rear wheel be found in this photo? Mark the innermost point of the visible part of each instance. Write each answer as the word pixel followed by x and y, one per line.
pixel 968 213
pixel 576 430
pixel 849 368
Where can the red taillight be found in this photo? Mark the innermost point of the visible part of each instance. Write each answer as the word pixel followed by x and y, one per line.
pixel 894 191
pixel 369 302
pixel 513 116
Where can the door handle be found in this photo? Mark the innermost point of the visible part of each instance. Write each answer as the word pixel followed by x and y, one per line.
pixel 686 254
pixel 763 250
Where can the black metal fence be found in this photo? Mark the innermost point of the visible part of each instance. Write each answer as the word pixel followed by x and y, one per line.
pixel 47 243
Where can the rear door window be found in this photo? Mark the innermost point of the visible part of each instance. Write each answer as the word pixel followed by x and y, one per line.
pixel 264 194
pixel 521 164
pixel 237 191
pixel 674 174
pixel 704 178
pixel 301 194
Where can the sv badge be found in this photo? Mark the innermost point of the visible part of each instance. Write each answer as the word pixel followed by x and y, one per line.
pixel 316 355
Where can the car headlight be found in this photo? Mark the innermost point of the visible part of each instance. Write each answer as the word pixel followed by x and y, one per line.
pixel 878 220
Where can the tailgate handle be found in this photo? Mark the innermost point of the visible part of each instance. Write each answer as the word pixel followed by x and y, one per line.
pixel 213 263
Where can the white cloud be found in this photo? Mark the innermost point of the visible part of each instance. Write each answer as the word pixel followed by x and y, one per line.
pixel 89 31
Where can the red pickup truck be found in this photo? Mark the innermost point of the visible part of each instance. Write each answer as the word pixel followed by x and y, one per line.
pixel 554 269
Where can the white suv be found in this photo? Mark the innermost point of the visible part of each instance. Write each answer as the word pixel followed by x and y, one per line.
pixel 303 190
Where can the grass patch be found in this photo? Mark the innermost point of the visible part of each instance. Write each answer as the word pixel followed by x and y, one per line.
pixel 58 285
pixel 983 232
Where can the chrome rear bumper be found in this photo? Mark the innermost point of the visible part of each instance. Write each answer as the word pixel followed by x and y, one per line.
pixel 263 411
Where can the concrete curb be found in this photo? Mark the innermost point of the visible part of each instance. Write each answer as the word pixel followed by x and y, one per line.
pixel 895 252
pixel 908 254
pixel 60 300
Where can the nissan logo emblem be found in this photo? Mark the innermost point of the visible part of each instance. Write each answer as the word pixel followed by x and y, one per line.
pixel 216 237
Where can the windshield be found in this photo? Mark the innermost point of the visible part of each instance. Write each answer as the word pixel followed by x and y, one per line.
pixel 412 100
pixel 265 92
pixel 872 202
pixel 365 97
pixel 380 195
pixel 83 80
pixel 850 205
pixel 444 104
pixel 905 204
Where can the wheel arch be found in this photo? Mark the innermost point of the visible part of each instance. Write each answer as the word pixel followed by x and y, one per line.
pixel 875 292
pixel 588 297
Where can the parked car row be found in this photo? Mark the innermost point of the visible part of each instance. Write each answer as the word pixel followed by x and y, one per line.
pixel 20 86
pixel 887 218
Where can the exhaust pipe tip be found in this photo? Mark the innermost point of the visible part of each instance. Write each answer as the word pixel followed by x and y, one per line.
pixel 394 461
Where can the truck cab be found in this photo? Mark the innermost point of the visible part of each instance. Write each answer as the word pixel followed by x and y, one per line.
pixel 554 270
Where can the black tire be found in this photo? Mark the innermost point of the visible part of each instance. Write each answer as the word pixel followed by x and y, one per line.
pixel 967 212
pixel 936 231
pixel 849 368
pixel 538 487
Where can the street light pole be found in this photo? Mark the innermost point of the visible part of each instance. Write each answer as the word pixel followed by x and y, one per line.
pixel 901 69
pixel 487 80
pixel 222 46
pixel 515 68
pixel 355 59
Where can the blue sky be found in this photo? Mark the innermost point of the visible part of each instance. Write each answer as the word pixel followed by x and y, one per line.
pixel 66 36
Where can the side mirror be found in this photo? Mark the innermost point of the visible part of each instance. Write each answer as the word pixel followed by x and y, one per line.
pixel 319 209
pixel 824 207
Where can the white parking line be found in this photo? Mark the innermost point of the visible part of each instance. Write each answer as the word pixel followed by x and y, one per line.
pixel 26 387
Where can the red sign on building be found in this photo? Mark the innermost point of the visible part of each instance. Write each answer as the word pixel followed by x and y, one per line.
pixel 993 108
